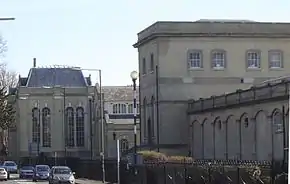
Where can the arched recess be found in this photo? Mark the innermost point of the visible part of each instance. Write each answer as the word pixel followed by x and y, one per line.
pixel 219 138
pixel 248 140
pixel 263 136
pixel 232 138
pixel 208 144
pixel 287 131
pixel 197 140
pixel 144 118
pixel 277 136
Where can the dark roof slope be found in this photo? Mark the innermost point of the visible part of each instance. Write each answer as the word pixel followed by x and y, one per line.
pixel 68 77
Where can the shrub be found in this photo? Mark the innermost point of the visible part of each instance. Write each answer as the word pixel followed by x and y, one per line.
pixel 150 156
pixel 180 159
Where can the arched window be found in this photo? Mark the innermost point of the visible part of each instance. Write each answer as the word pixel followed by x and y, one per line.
pixel 46 141
pixel 277 122
pixel 138 109
pixel 130 109
pixel 80 127
pixel 124 145
pixel 35 125
pixel 70 129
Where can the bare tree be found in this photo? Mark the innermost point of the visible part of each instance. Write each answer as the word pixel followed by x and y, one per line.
pixel 7 78
pixel 3 46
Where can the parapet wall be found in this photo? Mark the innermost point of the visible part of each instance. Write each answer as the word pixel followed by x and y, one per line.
pixel 268 92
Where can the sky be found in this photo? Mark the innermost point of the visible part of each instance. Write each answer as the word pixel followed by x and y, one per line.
pixel 100 34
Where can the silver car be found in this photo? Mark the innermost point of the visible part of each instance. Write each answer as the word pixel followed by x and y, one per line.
pixel 10 166
pixel 61 174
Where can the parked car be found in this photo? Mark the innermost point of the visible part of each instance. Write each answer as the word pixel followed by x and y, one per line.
pixel 61 174
pixel 3 174
pixel 41 172
pixel 10 166
pixel 26 172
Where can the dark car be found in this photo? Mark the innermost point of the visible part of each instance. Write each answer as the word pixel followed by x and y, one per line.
pixel 41 172
pixel 26 172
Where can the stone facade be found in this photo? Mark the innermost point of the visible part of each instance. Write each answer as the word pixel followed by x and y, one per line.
pixel 246 124
pixel 118 105
pixel 55 113
pixel 183 60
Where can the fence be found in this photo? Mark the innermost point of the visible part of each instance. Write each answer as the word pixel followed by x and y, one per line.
pixel 197 172
pixel 208 173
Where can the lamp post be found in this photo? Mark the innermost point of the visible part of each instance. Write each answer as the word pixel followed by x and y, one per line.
pixel 134 76
pixel 102 154
pixel 7 19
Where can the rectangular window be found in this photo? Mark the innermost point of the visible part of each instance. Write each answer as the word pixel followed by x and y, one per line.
pixel 195 59
pixel 275 59
pixel 218 59
pixel 253 59
pixel 151 63
pixel 144 68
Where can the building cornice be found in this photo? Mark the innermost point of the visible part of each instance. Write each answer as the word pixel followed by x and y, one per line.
pixel 209 35
pixel 213 29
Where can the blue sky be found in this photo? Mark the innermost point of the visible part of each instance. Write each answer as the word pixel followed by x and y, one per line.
pixel 99 34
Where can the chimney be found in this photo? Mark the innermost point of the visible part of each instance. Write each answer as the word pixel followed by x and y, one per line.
pixel 34 62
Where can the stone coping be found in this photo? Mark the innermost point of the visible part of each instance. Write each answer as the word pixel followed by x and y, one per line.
pixel 241 97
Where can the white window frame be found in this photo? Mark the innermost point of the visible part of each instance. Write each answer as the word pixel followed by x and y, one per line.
pixel 218 61
pixel 272 60
pixel 195 59
pixel 253 59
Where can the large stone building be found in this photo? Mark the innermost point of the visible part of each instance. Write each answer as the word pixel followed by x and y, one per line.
pixel 251 124
pixel 200 59
pixel 118 105
pixel 55 114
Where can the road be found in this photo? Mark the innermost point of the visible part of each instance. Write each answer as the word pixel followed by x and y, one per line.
pixel 14 179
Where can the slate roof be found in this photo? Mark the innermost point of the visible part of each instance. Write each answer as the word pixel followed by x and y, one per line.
pixel 67 77
pixel 212 28
pixel 119 93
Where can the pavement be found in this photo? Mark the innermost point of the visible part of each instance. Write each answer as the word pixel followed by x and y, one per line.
pixel 14 179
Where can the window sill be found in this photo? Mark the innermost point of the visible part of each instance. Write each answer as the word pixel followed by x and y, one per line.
pixel 218 68
pixel 253 69
pixel 276 68
pixel 196 69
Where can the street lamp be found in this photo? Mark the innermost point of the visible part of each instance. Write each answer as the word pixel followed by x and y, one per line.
pixel 101 117
pixel 134 76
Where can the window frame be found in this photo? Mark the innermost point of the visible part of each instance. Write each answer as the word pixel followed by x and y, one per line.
pixel 214 60
pixel 270 54
pixel 258 59
pixel 46 127
pixel 190 61
pixel 80 127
